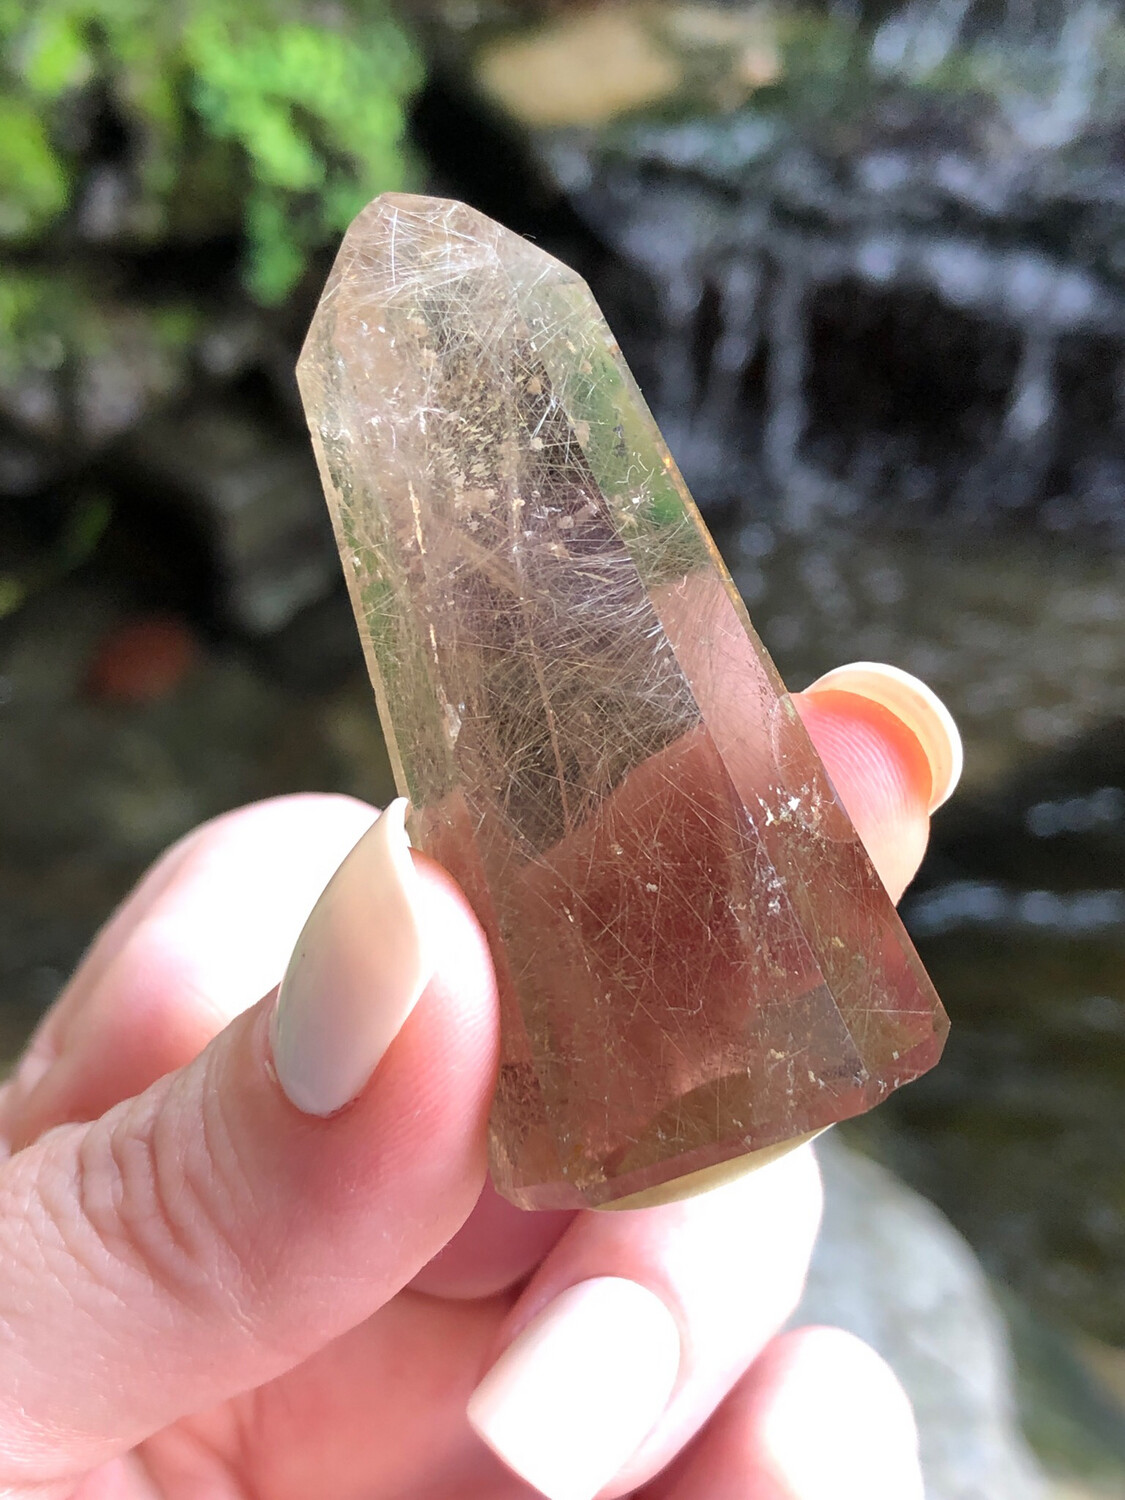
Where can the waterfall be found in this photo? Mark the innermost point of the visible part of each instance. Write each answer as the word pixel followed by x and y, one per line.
pixel 920 37
pixel 905 302
pixel 1075 65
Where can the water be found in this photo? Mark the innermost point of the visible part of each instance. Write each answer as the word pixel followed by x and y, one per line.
pixel 1023 638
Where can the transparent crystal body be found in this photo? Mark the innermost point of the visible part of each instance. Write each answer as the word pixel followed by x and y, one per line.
pixel 696 958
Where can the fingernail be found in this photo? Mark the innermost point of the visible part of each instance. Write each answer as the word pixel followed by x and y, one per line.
pixel 917 706
pixel 866 1444
pixel 359 966
pixel 574 1395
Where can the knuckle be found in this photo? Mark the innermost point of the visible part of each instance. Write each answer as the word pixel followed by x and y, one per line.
pixel 148 1210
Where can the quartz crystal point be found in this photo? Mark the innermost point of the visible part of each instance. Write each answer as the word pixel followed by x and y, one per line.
pixel 696 958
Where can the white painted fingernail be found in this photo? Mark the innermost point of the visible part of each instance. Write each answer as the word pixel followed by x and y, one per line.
pixel 359 966
pixel 572 1398
pixel 919 708
pixel 866 1441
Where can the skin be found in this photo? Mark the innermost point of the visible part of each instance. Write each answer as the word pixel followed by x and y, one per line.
pixel 208 1295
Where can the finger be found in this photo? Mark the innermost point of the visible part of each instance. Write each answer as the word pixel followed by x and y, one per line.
pixel 637 1325
pixel 893 753
pixel 213 1221
pixel 708 1265
pixel 205 935
pixel 122 1479
pixel 819 1417
pixel 206 932
pixel 497 1246
pixel 364 1431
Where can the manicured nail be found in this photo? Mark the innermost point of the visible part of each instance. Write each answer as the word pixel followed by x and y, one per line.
pixel 917 706
pixel 866 1441
pixel 359 966
pixel 572 1398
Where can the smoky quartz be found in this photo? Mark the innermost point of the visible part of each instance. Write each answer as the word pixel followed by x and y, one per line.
pixel 696 959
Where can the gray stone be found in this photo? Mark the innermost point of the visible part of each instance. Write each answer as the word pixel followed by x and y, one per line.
pixel 252 493
pixel 890 1268
pixel 86 366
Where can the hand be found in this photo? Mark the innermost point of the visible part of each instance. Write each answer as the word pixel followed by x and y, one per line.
pixel 213 1285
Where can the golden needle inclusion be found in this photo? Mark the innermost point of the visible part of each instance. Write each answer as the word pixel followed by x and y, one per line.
pixel 696 958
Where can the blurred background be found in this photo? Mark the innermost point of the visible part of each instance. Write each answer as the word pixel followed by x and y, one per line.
pixel 867 259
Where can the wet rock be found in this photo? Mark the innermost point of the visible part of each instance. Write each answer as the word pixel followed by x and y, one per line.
pixel 251 490
pixel 86 359
pixel 889 1268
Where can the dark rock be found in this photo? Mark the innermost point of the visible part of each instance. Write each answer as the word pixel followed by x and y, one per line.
pixel 79 366
pixel 24 469
pixel 251 491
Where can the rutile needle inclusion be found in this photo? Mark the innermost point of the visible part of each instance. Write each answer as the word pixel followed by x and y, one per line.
pixel 696 958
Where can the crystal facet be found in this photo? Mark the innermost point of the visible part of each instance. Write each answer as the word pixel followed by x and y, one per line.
pixel 696 958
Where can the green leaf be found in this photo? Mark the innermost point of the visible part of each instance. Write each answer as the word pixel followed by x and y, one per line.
pixel 55 55
pixel 33 183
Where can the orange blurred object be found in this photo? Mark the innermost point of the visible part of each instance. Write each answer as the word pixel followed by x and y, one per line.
pixel 143 660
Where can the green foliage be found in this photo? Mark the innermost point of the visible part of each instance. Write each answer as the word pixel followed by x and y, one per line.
pixel 49 320
pixel 318 114
pixel 282 116
pixel 33 182
pixel 33 314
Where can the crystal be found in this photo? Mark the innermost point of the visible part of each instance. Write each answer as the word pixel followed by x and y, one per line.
pixel 696 959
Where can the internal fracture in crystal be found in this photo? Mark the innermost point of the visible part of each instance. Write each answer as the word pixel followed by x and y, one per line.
pixel 696 958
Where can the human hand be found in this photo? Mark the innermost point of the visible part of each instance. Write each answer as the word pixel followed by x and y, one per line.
pixel 215 1286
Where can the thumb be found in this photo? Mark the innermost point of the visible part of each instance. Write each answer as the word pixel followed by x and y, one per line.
pixel 215 1231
